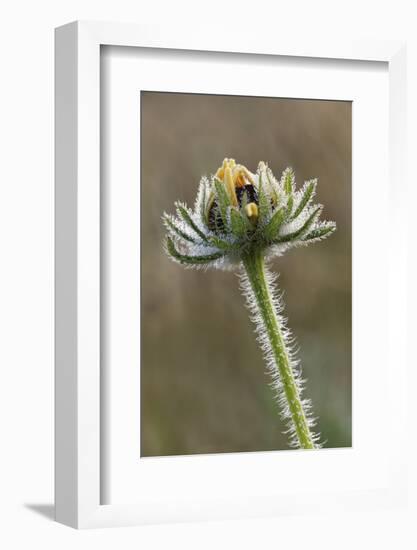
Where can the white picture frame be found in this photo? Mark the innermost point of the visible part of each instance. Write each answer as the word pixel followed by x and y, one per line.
pixel 78 405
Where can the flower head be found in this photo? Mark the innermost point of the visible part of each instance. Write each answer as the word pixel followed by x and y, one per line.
pixel 237 212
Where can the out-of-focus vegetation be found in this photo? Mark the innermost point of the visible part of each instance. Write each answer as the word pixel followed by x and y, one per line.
pixel 203 383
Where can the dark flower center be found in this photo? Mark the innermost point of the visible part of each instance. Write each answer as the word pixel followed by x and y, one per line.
pixel 215 221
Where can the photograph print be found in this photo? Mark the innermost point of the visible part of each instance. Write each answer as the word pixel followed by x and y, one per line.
pixel 246 288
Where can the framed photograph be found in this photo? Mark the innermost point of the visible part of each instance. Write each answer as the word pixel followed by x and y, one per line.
pixel 230 298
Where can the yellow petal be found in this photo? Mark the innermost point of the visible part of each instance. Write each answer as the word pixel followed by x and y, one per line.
pixel 220 173
pixel 252 211
pixel 230 186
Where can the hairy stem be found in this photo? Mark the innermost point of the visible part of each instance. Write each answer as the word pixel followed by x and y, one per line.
pixel 255 269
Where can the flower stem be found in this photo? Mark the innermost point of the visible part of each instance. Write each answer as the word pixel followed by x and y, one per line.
pixel 255 269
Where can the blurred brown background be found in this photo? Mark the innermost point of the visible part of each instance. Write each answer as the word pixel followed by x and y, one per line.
pixel 203 383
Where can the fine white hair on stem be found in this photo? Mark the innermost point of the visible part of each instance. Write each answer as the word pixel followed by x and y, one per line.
pixel 270 358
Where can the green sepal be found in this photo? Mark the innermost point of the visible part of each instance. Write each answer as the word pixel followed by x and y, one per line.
pixel 288 185
pixel 209 204
pixel 270 231
pixel 264 202
pixel 306 198
pixel 182 212
pixel 244 201
pixel 190 260
pixel 274 193
pixel 320 232
pixel 220 243
pixel 223 200
pixel 290 205
pixel 238 223
pixel 303 229
pixel 288 181
pixel 203 204
pixel 170 225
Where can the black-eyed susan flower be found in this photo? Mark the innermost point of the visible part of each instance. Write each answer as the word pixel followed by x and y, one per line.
pixel 239 219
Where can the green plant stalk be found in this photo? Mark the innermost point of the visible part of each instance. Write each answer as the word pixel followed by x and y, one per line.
pixel 254 264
